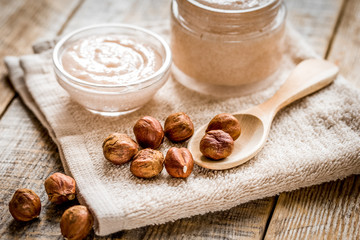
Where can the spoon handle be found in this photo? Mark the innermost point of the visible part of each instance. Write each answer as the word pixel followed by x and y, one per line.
pixel 309 76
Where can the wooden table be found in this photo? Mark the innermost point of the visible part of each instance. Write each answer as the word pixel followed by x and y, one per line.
pixel 327 211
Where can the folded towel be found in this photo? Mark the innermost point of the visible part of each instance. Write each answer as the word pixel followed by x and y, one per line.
pixel 314 140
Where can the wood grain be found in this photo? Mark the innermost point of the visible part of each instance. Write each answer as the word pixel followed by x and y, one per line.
pixel 28 156
pixel 315 20
pixel 27 142
pixel 327 211
pixel 23 22
pixel 331 210
pixel 345 50
pixel 245 221
pixel 112 11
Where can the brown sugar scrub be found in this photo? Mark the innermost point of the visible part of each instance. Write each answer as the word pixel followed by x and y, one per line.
pixel 227 45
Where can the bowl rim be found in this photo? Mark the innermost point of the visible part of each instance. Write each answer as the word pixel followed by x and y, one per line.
pixel 162 70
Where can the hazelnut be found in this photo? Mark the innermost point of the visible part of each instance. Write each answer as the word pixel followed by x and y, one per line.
pixel 226 122
pixel 25 205
pixel 147 163
pixel 149 132
pixel 178 127
pixel 76 222
pixel 60 188
pixel 119 148
pixel 179 162
pixel 216 144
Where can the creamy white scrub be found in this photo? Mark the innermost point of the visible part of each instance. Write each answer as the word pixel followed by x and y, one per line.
pixel 112 69
pixel 111 59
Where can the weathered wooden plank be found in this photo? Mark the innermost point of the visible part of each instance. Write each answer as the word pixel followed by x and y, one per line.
pixel 345 49
pixel 110 11
pixel 245 221
pixel 21 23
pixel 331 210
pixel 327 211
pixel 28 156
pixel 315 20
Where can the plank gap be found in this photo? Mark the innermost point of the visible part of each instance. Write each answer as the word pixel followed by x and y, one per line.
pixel 71 15
pixel 336 28
pixel 276 198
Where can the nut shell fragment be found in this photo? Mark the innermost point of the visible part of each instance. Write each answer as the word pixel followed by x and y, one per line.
pixel 60 188
pixel 25 205
pixel 76 222
pixel 147 163
pixel 216 145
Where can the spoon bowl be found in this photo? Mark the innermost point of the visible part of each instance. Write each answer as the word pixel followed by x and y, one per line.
pixel 309 76
pixel 253 136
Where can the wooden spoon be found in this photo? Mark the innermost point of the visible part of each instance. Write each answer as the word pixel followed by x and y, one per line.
pixel 308 76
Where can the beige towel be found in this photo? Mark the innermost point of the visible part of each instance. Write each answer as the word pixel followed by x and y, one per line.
pixel 314 140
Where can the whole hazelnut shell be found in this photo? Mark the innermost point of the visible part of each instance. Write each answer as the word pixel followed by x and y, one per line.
pixel 147 163
pixel 76 222
pixel 25 205
pixel 179 162
pixel 178 127
pixel 216 144
pixel 119 148
pixel 149 132
pixel 60 188
pixel 226 122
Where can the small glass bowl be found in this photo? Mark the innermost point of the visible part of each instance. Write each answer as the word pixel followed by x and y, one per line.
pixel 110 99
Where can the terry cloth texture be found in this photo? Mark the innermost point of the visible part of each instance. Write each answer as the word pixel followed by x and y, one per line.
pixel 314 140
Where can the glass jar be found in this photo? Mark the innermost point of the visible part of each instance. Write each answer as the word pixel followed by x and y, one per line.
pixel 224 49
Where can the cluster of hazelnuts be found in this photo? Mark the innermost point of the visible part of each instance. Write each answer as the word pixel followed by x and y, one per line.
pixel 119 148
pixel 217 143
pixel 221 132
pixel 76 222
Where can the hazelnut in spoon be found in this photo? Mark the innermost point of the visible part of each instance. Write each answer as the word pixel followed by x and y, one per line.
pixel 309 76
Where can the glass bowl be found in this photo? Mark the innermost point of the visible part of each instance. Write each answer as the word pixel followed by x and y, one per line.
pixel 113 99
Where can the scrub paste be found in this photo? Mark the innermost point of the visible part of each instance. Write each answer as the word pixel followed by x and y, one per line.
pixel 228 42
pixel 110 59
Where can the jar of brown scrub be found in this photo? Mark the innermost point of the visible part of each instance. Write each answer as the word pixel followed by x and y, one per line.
pixel 227 47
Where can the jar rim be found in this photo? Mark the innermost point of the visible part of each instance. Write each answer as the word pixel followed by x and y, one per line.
pixel 247 24
pixel 232 11
pixel 162 70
